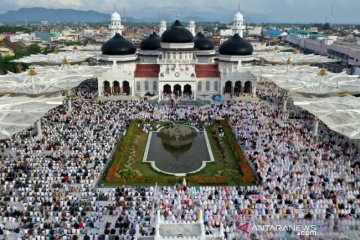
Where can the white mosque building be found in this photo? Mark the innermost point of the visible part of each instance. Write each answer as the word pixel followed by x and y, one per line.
pixel 176 63
pixel 237 27
pixel 115 25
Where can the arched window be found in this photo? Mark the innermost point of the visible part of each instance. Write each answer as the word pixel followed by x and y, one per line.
pixel 154 86
pixel 207 86
pixel 199 86
pixel 216 86
pixel 137 86
pixel 146 86
pixel 248 87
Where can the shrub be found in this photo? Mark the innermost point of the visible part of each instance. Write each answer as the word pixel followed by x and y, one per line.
pixel 248 174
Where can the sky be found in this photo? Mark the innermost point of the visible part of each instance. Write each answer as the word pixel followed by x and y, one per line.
pixel 333 11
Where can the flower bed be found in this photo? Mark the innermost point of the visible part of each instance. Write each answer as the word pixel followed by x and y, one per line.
pixel 229 168
pixel 248 174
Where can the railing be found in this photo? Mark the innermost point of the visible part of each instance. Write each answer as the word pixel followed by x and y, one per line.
pixel 177 61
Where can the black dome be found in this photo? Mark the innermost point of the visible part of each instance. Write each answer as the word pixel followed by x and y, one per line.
pixel 118 45
pixel 177 34
pixel 151 43
pixel 203 43
pixel 236 46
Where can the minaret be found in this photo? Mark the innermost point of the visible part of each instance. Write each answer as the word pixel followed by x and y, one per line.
pixel 115 25
pixel 162 28
pixel 238 23
pixel 191 27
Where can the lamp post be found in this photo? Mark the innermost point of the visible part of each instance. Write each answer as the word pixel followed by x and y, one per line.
pixel 316 127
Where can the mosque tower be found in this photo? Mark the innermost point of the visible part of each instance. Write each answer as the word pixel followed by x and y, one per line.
pixel 115 25
pixel 238 26
pixel 162 28
pixel 191 27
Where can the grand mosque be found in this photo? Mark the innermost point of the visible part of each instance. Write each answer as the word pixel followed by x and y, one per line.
pixel 176 61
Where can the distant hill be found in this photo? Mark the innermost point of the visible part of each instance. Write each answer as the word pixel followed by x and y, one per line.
pixel 37 14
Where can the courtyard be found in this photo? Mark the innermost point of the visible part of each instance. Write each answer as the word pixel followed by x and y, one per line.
pixel 207 154
pixel 178 149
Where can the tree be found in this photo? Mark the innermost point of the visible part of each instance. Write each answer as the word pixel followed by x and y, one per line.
pixel 326 27
pixel 7 65
pixel 34 49
pixel 14 29
pixel 72 43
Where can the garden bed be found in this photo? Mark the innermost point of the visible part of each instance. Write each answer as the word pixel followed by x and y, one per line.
pixel 229 168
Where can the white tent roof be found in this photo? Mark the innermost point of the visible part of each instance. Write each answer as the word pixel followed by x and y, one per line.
pixel 20 112
pixel 89 47
pixel 57 58
pixel 341 114
pixel 260 47
pixel 48 79
pixel 269 70
pixel 319 82
pixel 296 58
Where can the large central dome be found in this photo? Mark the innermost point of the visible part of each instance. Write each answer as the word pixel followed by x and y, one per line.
pixel 151 43
pixel 177 34
pixel 236 46
pixel 203 43
pixel 118 45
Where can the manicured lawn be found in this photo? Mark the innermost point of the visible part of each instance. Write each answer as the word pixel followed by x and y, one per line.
pixel 127 168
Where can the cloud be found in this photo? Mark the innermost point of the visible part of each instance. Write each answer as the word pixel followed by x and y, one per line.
pixel 273 10
pixel 49 3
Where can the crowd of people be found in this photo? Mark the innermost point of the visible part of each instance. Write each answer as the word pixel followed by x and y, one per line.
pixel 49 184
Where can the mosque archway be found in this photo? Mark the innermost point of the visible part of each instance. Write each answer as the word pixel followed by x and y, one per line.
pixel 248 87
pixel 167 89
pixel 228 87
pixel 126 87
pixel 216 86
pixel 116 87
pixel 199 86
pixel 177 90
pixel 107 88
pixel 237 88
pixel 187 90
pixel 207 86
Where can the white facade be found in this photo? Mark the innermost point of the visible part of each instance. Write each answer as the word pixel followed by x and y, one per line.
pixel 176 71
pixel 206 56
pixel 195 230
pixel 115 25
pixel 119 79
pixel 192 28
pixel 234 79
pixel 25 37
pixel 148 56
pixel 88 33
pixel 162 28
pixel 226 32
pixel 254 31
pixel 176 74
pixel 238 26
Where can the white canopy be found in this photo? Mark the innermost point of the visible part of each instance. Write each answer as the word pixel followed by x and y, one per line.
pixel 270 70
pixel 39 80
pixel 261 47
pixel 58 57
pixel 311 80
pixel 89 47
pixel 20 112
pixel 295 57
pixel 341 114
